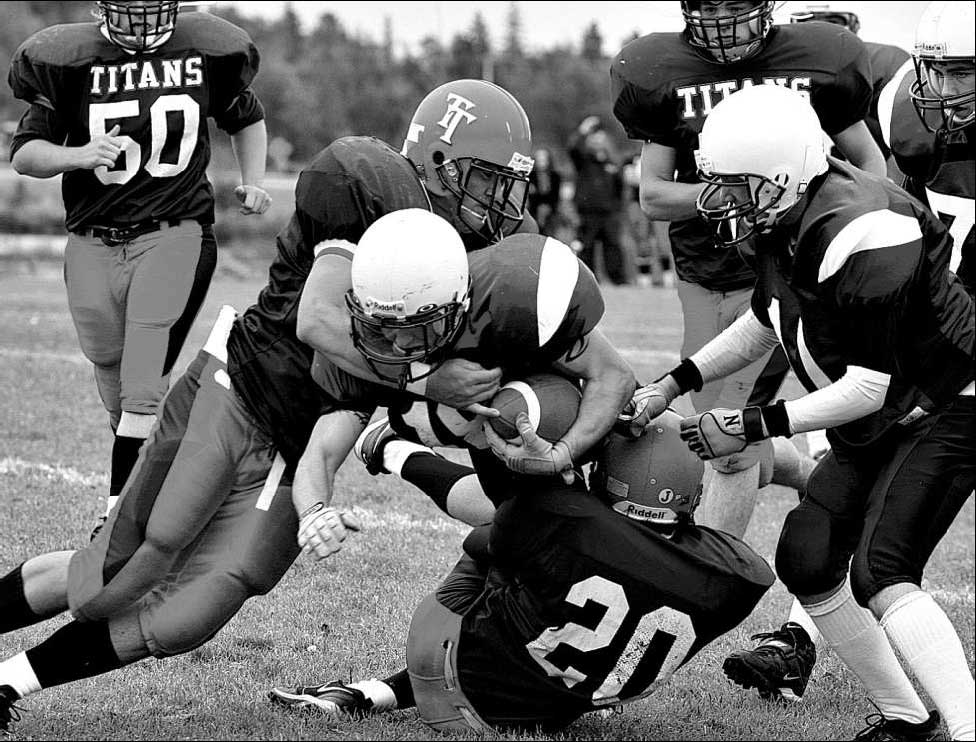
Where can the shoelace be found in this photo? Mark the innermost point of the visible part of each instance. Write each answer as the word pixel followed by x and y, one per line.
pixel 13 715
pixel 875 726
pixel 765 648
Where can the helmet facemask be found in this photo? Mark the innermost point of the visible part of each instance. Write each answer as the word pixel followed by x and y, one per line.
pixel 139 26
pixel 727 38
pixel 927 95
pixel 490 198
pixel 740 205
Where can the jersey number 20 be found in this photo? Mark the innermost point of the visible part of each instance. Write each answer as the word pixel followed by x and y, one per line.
pixel 665 629
pixel 100 113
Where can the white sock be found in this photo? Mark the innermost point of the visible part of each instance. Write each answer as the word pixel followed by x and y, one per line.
pixel 382 695
pixel 397 451
pixel 922 632
pixel 857 638
pixel 19 675
pixel 799 616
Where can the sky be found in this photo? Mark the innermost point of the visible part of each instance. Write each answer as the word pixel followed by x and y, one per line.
pixel 546 24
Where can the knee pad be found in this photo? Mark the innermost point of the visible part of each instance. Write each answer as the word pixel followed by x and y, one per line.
pixel 809 560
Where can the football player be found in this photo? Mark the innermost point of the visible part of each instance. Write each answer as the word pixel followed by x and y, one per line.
pixel 854 283
pixel 664 86
pixel 552 611
pixel 886 60
pixel 120 107
pixel 928 117
pixel 209 515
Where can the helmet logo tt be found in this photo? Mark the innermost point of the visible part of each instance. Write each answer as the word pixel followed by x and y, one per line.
pixel 458 110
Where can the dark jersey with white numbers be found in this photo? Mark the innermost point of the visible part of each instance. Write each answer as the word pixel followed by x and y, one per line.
pixel 583 607
pixel 662 90
pixel 349 185
pixel 79 85
pixel 869 286
pixel 940 170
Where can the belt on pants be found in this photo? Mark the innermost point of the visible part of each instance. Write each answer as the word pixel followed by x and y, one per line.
pixel 119 235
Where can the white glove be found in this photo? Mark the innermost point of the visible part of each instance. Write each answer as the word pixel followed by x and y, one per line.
pixel 321 530
pixel 532 455
pixel 648 402
pixel 715 433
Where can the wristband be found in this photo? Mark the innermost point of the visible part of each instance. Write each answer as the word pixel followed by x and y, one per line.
pixel 776 420
pixel 753 426
pixel 687 376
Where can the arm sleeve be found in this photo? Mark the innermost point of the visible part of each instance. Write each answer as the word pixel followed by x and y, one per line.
pixel 38 122
pixel 858 393
pixel 736 347
pixel 246 109
pixel 846 99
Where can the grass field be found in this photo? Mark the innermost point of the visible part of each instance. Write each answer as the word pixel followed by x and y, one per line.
pixel 346 618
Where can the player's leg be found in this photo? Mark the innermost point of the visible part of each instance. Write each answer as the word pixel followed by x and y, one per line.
pixel 812 559
pixel 167 275
pixel 911 508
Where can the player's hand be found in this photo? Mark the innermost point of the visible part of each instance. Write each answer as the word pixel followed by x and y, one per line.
pixel 102 151
pixel 532 455
pixel 321 530
pixel 464 385
pixel 648 402
pixel 715 433
pixel 254 199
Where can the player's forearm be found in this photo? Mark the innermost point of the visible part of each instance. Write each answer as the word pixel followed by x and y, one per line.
pixel 741 343
pixel 330 443
pixel 251 149
pixel 668 201
pixel 604 395
pixel 42 159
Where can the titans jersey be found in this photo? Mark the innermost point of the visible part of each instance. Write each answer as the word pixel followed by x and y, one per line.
pixel 940 170
pixel 349 185
pixel 79 85
pixel 869 287
pixel 584 607
pixel 662 90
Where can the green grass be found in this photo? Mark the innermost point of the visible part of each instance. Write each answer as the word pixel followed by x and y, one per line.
pixel 354 609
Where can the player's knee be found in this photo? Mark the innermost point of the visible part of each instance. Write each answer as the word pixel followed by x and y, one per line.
pixel 805 560
pixel 747 458
pixel 192 620
pixel 864 585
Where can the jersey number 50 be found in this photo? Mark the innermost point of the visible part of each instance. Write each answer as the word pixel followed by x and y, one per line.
pixel 100 113
pixel 666 630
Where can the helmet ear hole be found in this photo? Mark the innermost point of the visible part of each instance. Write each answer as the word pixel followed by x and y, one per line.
pixel 438 157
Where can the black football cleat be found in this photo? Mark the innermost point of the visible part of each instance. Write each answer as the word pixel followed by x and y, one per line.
pixel 880 729
pixel 778 667
pixel 369 445
pixel 335 699
pixel 9 712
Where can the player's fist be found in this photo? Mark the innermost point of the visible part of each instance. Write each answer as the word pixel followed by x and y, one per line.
pixel 102 151
pixel 715 433
pixel 321 530
pixel 648 402
pixel 254 199
pixel 464 384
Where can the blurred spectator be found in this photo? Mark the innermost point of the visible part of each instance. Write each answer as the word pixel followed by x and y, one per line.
pixel 651 245
pixel 544 184
pixel 599 199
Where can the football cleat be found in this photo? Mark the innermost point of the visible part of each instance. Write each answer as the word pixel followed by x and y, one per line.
pixel 369 445
pixel 778 667
pixel 8 711
pixel 335 699
pixel 880 729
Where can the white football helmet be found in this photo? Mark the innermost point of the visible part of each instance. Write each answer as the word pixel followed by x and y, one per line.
pixel 945 64
pixel 410 292
pixel 758 151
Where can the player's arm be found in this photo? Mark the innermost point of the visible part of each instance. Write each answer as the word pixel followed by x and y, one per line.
pixel 861 149
pixel 251 150
pixel 322 528
pixel 323 324
pixel 661 197
pixel 36 148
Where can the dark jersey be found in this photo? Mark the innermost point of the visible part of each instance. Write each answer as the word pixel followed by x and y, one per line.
pixel 584 607
pixel 349 185
pixel 869 287
pixel 662 90
pixel 79 85
pixel 886 61
pixel 940 170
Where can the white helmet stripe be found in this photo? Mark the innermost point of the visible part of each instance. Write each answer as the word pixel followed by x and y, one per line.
pixel 558 273
pixel 532 405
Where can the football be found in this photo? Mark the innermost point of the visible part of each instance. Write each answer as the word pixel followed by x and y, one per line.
pixel 551 402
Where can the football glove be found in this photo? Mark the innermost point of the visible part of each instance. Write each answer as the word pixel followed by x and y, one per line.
pixel 321 530
pixel 648 402
pixel 715 433
pixel 532 455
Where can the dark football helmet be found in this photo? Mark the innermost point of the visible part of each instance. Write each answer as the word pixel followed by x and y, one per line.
pixel 470 141
pixel 727 32
pixel 654 478
pixel 139 25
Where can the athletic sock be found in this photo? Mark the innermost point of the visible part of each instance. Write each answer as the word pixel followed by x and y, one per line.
pixel 19 675
pixel 75 651
pixel 125 453
pixel 858 639
pixel 397 451
pixel 15 611
pixel 402 689
pixel 434 475
pixel 379 692
pixel 799 616
pixel 925 637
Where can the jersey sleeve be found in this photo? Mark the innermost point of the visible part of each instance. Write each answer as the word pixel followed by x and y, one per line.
pixel 846 98
pixel 348 391
pixel 245 110
pixel 38 122
pixel 644 109
pixel 231 71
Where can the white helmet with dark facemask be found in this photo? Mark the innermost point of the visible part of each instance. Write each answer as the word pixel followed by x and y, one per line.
pixel 945 48
pixel 409 293
pixel 759 149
